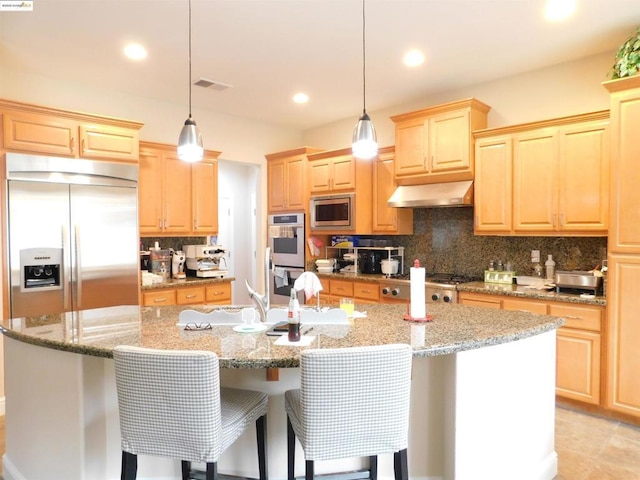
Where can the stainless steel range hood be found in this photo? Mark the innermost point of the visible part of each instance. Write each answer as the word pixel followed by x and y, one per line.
pixel 451 194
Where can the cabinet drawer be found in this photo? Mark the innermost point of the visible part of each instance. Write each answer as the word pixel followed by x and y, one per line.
pixel 366 290
pixel 219 293
pixel 486 301
pixel 522 305
pixel 161 297
pixel 190 296
pixel 582 317
pixel 341 288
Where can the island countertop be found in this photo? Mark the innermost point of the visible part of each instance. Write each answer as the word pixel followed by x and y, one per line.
pixel 454 328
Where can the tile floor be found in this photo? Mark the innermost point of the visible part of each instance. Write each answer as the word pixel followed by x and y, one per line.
pixel 588 447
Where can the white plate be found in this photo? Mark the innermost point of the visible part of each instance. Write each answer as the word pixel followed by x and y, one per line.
pixel 256 327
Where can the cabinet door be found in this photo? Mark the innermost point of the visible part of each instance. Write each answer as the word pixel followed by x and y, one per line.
pixel 320 176
pixel 36 133
pixel 578 365
pixel 385 218
pixel 535 181
pixel 177 195
pixel 343 174
pixel 204 197
pixel 220 293
pixel 150 188
pixel 108 142
pixel 296 185
pixel 449 141
pixel 341 288
pixel 366 291
pixel 277 185
pixel 623 305
pixel 493 185
pixel 411 147
pixel 584 177
pixel 624 230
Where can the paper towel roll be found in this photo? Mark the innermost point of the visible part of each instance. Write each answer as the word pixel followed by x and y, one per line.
pixel 417 277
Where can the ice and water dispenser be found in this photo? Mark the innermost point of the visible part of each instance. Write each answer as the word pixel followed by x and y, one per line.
pixel 40 268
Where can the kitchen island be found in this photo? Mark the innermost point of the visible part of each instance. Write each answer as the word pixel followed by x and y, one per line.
pixel 482 390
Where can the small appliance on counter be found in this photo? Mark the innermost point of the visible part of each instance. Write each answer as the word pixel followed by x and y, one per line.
pixel 177 265
pixel 206 261
pixel 578 282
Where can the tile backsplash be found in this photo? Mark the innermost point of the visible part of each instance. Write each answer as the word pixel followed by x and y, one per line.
pixel 443 241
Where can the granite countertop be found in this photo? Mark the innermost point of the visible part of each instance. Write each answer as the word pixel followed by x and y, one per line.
pixel 523 292
pixel 454 328
pixel 187 282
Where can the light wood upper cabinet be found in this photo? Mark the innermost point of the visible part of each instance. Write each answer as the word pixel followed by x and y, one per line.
pixel 493 185
pixel 328 174
pixel 45 131
pixel 535 181
pixel 544 178
pixel 386 219
pixel 624 231
pixel 176 197
pixel 287 180
pixel 204 195
pixel 435 144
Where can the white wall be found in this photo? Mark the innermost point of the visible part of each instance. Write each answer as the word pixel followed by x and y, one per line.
pixel 558 91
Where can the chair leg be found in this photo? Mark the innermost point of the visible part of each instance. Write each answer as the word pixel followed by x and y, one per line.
pixel 261 433
pixel 212 471
pixel 291 451
pixel 186 470
pixel 373 467
pixel 308 472
pixel 400 465
pixel 129 466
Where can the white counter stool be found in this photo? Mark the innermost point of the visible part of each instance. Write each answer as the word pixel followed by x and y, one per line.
pixel 171 405
pixel 353 402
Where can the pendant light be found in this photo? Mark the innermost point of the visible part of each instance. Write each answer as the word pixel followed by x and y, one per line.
pixel 365 143
pixel 190 142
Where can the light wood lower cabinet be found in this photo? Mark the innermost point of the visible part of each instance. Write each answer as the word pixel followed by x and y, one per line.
pixel 218 293
pixel 335 289
pixel 579 342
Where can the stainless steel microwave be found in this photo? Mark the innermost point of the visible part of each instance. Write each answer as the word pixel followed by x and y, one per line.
pixel 333 211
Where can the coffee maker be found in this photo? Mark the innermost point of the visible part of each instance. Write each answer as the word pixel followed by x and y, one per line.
pixel 206 261
pixel 177 264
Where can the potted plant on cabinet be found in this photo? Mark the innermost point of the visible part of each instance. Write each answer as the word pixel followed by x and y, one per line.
pixel 627 60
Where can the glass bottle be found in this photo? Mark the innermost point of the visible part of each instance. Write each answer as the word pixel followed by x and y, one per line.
pixel 293 317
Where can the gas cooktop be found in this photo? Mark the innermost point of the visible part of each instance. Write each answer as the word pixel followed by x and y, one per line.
pixel 440 278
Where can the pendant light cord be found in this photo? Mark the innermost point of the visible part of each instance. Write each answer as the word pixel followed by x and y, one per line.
pixel 364 61
pixel 189 58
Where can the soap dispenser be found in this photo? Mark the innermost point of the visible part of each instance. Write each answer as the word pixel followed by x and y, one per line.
pixel 551 268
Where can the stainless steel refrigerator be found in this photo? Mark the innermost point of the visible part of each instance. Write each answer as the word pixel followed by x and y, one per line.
pixel 73 239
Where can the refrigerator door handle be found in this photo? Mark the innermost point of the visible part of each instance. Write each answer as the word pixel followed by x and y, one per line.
pixel 78 265
pixel 65 269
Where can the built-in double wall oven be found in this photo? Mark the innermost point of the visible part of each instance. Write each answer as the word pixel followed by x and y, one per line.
pixel 286 239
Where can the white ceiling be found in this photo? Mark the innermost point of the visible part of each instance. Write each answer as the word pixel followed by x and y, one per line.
pixel 270 49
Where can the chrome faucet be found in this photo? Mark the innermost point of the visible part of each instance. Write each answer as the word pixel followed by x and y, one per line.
pixel 262 301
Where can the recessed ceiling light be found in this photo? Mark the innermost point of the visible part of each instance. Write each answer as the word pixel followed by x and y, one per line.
pixel 135 51
pixel 413 58
pixel 301 97
pixel 556 10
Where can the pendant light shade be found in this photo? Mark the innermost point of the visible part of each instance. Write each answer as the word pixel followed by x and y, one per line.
pixel 365 143
pixel 190 147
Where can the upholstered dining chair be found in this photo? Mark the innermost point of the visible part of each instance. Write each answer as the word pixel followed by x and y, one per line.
pixel 352 402
pixel 171 405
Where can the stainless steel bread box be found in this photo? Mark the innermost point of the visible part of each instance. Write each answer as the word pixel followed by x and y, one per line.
pixel 577 281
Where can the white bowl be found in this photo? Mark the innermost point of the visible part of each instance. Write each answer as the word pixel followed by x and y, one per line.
pixel 325 262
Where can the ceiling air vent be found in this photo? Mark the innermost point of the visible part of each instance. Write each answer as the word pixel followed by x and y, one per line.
pixel 204 83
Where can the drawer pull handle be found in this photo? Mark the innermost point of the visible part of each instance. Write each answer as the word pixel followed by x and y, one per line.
pixel 158 300
pixel 573 317
pixel 192 295
pixel 217 292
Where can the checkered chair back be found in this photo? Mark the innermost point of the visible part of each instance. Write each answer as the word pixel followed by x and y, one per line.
pixel 355 401
pixel 169 403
